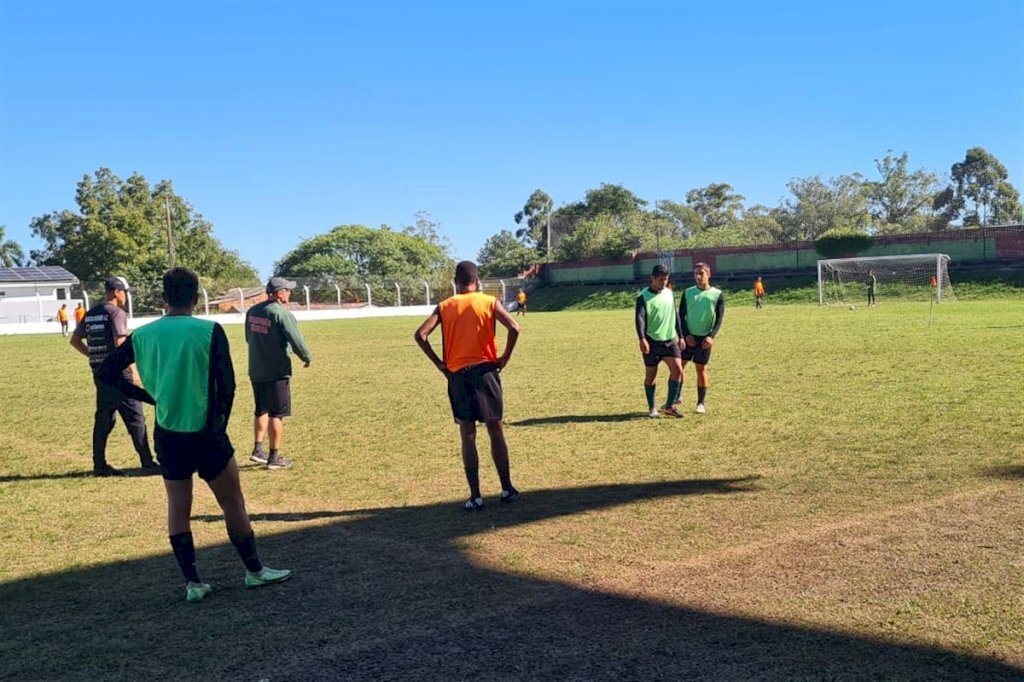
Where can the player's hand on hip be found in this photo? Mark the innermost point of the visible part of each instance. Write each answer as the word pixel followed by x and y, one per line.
pixel 690 341
pixel 708 342
pixel 645 347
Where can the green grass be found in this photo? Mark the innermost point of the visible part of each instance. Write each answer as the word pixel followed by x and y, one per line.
pixel 850 507
pixel 1008 286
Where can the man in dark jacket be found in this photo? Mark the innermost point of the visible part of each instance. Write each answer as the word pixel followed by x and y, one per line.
pixel 270 329
pixel 104 328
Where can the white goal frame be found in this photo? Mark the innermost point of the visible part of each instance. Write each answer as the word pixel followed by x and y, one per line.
pixel 941 263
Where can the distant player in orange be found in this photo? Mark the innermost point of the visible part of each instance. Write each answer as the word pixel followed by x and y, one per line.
pixel 471 364
pixel 758 293
pixel 79 314
pixel 521 301
pixel 62 317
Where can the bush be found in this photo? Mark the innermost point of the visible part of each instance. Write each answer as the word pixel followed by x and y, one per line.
pixel 840 242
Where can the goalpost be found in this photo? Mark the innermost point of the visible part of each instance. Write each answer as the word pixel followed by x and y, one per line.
pixel 915 277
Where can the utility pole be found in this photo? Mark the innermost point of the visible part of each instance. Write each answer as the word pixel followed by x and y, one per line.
pixel 170 234
pixel 551 203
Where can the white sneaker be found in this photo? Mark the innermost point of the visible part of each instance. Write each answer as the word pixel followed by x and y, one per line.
pixel 653 414
pixel 700 409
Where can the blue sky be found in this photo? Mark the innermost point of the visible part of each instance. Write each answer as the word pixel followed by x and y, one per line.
pixel 281 120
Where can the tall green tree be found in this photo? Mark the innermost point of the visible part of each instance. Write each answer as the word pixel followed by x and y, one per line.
pixel 685 220
pixel 121 228
pixel 502 255
pixel 612 200
pixel 717 205
pixel 901 197
pixel 817 206
pixel 365 251
pixel 982 180
pixel 429 230
pixel 11 253
pixel 603 236
pixel 534 220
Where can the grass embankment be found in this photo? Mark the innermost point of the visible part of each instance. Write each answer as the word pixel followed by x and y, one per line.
pixel 797 290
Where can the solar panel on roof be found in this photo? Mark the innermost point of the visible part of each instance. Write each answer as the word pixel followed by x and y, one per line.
pixel 44 273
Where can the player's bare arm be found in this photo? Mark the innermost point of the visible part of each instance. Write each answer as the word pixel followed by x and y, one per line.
pixel 78 343
pixel 422 337
pixel 502 316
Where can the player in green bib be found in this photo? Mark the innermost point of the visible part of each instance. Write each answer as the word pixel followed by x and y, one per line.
pixel 657 328
pixel 701 312
pixel 185 367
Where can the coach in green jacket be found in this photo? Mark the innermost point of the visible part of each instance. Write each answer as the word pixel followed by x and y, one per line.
pixel 270 328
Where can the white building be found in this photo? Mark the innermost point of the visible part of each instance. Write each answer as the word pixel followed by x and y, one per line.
pixel 35 294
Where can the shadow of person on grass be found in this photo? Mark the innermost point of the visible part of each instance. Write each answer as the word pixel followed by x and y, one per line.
pixel 390 594
pixel 137 472
pixel 579 419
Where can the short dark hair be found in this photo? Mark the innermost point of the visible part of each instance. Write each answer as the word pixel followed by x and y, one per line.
pixel 466 273
pixel 659 270
pixel 702 264
pixel 181 287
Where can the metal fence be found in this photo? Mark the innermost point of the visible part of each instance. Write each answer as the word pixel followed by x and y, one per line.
pixel 310 293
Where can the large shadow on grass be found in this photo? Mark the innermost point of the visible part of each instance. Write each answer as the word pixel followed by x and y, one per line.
pixel 390 594
pixel 580 419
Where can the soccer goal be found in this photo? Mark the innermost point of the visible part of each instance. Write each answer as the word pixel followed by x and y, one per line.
pixel 917 277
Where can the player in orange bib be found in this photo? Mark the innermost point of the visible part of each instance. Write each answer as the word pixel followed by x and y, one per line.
pixel 758 292
pixel 62 317
pixel 471 364
pixel 521 301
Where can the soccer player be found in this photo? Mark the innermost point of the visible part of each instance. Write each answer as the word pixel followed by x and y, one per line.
pixel 185 367
pixel 270 328
pixel 521 300
pixel 701 312
pixel 79 314
pixel 758 293
pixel 104 328
pixel 62 317
pixel 870 283
pixel 471 365
pixel 657 328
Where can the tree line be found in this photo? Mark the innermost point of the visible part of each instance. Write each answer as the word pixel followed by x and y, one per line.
pixel 122 226
pixel 613 222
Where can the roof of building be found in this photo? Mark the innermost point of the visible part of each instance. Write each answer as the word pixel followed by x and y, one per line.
pixel 231 295
pixel 35 275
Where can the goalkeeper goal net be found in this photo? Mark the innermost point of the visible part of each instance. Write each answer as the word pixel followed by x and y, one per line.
pixel 917 277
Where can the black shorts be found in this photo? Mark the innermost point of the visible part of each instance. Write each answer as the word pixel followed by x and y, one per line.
pixel 273 398
pixel 661 350
pixel 697 355
pixel 183 454
pixel 475 394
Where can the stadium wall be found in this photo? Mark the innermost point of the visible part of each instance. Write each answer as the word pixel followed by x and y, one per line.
pixel 1001 244
pixel 236 318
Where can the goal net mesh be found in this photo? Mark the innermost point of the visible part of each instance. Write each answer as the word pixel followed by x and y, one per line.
pixel 920 277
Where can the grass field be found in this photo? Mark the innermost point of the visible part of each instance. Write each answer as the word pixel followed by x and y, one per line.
pixel 1005 285
pixel 851 507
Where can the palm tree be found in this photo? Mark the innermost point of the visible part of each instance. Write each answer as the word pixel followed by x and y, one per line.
pixel 11 253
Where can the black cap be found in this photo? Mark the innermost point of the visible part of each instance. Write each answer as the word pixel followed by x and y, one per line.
pixel 116 284
pixel 278 283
